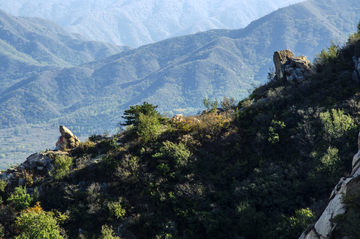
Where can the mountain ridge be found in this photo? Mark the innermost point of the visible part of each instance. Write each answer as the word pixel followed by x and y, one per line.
pixel 144 22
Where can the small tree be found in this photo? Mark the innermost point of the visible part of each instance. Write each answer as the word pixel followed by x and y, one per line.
pixel 132 115
pixel 227 103
pixel 210 105
pixel 147 127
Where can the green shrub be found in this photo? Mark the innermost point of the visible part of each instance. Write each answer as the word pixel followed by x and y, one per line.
pixel 2 186
pixel 327 55
pixel 89 147
pixel 2 231
pixel 128 169
pixel 116 209
pixel 20 198
pixel 107 232
pixel 34 223
pixel 336 123
pixel 295 225
pixel 210 105
pixel 62 166
pixel 274 129
pixel 148 127
pixel 177 154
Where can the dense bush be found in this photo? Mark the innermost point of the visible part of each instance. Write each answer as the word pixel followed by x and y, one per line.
pixel 34 223
pixel 20 198
pixel 62 166
pixel 108 233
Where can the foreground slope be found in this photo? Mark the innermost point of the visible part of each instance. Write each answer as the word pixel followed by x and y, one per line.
pixel 261 169
pixel 137 23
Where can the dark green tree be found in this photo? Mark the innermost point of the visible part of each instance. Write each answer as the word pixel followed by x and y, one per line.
pixel 131 115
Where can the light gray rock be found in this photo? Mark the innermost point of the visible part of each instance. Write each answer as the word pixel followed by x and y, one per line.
pixel 38 159
pixel 4 176
pixel 21 168
pixel 335 207
pixel 311 235
pixel 97 159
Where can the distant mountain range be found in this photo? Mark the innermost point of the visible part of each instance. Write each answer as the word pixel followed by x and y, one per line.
pixel 178 73
pixel 31 45
pixel 137 23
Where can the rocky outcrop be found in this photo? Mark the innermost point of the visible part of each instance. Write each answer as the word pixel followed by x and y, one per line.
pixel 324 227
pixel 177 118
pixel 67 140
pixel 293 68
pixel 40 164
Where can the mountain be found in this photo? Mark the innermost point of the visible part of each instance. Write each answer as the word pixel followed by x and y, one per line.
pixel 136 23
pixel 180 71
pixel 260 168
pixel 31 45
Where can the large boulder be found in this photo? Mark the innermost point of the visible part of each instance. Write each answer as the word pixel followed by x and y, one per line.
pixel 281 58
pixel 67 140
pixel 293 68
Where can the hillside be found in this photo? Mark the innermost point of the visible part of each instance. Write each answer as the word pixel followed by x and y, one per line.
pixel 32 45
pixel 181 71
pixel 262 168
pixel 136 23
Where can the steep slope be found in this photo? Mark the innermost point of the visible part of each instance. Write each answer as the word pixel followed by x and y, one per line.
pixel 136 23
pixel 29 44
pixel 260 169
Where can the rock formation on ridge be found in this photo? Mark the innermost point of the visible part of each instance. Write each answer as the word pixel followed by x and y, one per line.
pixel 293 68
pixel 67 140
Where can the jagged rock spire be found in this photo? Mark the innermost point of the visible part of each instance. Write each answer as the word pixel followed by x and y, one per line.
pixel 67 140
pixel 293 68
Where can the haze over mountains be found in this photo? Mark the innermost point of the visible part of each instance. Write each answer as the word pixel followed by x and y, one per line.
pixel 137 23
pixel 29 44
pixel 176 74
